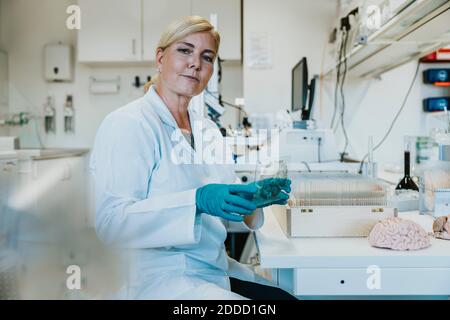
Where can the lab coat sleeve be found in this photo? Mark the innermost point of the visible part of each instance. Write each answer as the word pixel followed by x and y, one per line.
pixel 240 271
pixel 122 162
pixel 254 221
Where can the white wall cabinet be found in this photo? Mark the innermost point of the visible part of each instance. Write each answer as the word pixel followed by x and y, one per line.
pixel 228 24
pixel 114 32
pixel 156 17
pixel 110 31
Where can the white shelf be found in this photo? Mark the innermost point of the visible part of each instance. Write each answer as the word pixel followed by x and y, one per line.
pixel 419 29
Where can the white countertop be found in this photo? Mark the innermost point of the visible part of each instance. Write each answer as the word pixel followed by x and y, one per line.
pixel 8 155
pixel 278 251
pixel 41 154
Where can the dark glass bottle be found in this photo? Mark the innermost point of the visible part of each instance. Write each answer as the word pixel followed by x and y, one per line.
pixel 407 183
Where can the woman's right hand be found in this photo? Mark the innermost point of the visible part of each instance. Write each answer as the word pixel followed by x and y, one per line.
pixel 226 200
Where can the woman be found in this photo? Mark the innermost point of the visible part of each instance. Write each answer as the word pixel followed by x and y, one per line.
pixel 168 209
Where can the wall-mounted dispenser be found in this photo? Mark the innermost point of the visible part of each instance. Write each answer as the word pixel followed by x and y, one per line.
pixel 58 62
pixel 69 115
pixel 49 115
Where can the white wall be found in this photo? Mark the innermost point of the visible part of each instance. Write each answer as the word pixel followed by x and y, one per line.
pixel 298 28
pixel 232 87
pixel 371 105
pixel 295 28
pixel 28 26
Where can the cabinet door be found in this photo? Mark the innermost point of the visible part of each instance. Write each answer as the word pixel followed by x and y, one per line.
pixel 157 16
pixel 228 24
pixel 110 31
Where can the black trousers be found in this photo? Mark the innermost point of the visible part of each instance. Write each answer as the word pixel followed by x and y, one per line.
pixel 256 291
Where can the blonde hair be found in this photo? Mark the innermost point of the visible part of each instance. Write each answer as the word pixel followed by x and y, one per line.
pixel 179 29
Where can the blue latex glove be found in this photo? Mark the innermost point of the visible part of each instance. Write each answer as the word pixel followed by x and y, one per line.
pixel 270 191
pixel 226 200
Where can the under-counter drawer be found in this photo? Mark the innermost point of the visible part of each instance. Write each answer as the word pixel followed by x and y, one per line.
pixel 372 281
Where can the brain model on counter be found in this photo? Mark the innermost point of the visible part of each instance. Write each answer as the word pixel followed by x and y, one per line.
pixel 399 234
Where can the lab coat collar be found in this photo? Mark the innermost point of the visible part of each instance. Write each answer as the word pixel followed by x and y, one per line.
pixel 167 118
pixel 163 112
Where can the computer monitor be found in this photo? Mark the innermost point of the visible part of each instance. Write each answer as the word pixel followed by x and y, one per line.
pixel 302 93
pixel 306 113
pixel 299 85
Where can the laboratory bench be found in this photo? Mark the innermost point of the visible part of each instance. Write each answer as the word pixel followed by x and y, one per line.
pixel 341 268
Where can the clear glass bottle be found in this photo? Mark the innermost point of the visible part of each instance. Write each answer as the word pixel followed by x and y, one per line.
pixel 69 114
pixel 370 165
pixel 433 175
pixel 49 115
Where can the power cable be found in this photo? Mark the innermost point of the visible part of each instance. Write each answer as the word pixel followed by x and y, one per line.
pixel 343 97
pixel 395 118
pixel 338 74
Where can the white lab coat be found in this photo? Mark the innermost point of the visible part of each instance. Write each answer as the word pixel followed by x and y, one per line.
pixel 145 203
